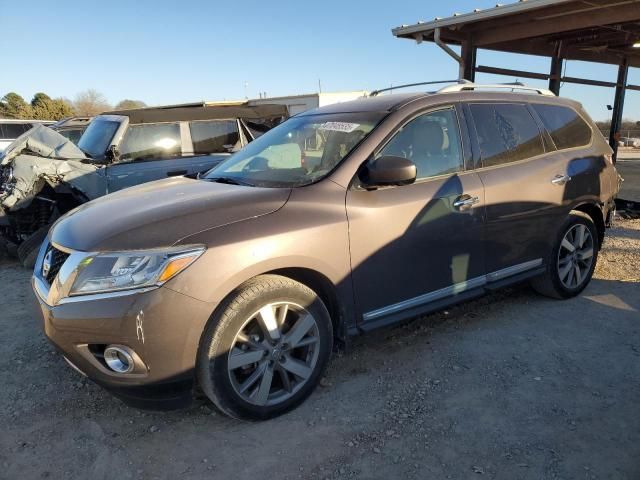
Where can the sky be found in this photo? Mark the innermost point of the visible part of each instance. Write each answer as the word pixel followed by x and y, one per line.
pixel 164 52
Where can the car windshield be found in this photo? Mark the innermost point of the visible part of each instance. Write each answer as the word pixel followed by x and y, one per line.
pixel 298 152
pixel 97 137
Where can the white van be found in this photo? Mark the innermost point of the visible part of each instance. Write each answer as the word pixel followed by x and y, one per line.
pixel 10 129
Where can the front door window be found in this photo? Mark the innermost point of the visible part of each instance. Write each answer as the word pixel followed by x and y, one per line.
pixel 159 141
pixel 432 142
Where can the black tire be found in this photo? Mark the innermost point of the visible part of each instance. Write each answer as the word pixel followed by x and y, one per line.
pixel 29 249
pixel 213 370
pixel 550 284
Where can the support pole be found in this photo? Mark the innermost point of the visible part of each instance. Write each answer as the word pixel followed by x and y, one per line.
pixel 556 70
pixel 618 106
pixel 469 60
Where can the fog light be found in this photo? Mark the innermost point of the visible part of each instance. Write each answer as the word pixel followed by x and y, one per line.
pixel 118 359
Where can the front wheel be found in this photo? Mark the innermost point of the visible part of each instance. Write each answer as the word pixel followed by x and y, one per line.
pixel 572 260
pixel 29 249
pixel 265 351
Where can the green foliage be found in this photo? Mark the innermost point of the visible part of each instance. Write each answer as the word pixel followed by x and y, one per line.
pixel 42 107
pixel 46 108
pixel 13 105
pixel 130 104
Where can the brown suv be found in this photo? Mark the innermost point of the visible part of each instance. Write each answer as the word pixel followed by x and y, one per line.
pixel 340 220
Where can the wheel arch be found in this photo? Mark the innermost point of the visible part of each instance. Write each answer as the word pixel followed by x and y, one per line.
pixel 595 213
pixel 323 287
pixel 317 281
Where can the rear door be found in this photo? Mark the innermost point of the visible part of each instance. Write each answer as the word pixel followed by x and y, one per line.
pixel 417 244
pixel 590 175
pixel 517 168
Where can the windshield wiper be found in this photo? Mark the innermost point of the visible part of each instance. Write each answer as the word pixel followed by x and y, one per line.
pixel 228 181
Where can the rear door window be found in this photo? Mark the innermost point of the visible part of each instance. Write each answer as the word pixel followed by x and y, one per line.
pixel 11 131
pixel 566 127
pixel 219 136
pixel 506 133
pixel 154 141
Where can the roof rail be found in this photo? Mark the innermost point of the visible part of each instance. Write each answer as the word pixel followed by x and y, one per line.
pixel 459 81
pixel 511 86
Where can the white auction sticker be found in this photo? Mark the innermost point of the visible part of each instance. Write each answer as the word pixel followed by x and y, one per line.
pixel 339 126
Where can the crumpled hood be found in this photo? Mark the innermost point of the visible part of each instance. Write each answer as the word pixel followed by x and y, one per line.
pixel 161 213
pixel 42 142
pixel 38 157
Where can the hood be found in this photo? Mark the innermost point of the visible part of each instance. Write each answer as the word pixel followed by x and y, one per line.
pixel 160 214
pixel 43 142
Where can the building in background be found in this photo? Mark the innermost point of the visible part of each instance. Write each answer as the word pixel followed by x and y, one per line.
pixel 301 103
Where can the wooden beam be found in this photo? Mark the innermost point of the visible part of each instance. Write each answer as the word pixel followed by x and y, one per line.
pixel 555 71
pixel 468 55
pixel 511 73
pixel 537 28
pixel 544 49
pixel 543 76
pixel 618 108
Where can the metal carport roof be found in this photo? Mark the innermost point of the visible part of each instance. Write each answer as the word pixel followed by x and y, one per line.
pixel 601 31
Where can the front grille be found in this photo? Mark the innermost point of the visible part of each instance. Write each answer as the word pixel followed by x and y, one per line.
pixel 55 258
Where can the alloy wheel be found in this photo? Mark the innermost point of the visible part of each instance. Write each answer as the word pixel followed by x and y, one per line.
pixel 575 256
pixel 274 354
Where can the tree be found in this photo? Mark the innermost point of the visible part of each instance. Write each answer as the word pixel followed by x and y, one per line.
pixel 13 105
pixel 90 102
pixel 130 104
pixel 46 108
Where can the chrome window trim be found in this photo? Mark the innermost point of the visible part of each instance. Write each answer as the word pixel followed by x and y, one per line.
pixel 452 290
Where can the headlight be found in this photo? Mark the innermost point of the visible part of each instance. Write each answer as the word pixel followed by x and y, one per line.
pixel 109 272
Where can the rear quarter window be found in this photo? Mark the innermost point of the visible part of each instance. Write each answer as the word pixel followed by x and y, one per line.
pixel 566 127
pixel 214 136
pixel 506 133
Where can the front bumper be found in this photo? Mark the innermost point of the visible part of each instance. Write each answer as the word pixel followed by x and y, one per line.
pixel 160 326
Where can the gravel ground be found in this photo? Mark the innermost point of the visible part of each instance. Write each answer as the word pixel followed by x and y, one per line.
pixel 511 386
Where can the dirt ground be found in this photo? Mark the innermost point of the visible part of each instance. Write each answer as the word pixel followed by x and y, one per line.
pixel 511 386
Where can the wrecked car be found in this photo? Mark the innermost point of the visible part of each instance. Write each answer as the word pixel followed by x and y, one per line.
pixel 44 175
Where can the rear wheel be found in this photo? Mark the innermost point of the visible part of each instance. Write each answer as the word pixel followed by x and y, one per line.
pixel 264 353
pixel 573 259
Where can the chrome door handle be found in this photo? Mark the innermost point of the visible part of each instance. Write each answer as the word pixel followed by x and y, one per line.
pixel 561 179
pixel 465 201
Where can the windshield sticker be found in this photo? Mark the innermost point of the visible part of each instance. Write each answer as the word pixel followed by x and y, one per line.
pixel 339 126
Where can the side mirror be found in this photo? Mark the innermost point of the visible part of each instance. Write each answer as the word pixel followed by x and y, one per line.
pixel 112 154
pixel 388 170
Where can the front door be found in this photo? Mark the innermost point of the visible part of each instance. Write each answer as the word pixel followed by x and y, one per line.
pixel 421 243
pixel 147 152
